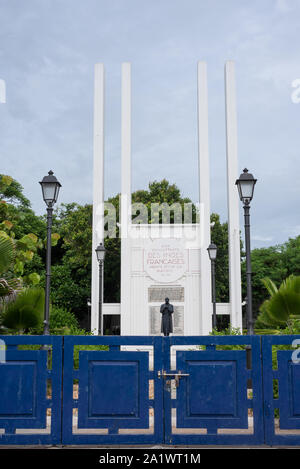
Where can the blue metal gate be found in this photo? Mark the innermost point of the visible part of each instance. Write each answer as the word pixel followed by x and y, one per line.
pixel 281 380
pixel 212 390
pixel 172 390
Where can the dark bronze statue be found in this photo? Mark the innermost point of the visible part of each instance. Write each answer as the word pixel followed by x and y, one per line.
pixel 166 320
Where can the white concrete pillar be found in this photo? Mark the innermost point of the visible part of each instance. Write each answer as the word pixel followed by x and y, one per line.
pixel 232 198
pixel 125 203
pixel 205 318
pixel 98 188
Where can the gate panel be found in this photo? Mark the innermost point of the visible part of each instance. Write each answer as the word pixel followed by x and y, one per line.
pixel 114 390
pixel 30 389
pixel 281 376
pixel 215 393
pixel 215 398
pixel 112 394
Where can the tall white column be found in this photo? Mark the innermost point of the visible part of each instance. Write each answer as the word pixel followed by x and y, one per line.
pixel 205 318
pixel 98 188
pixel 125 205
pixel 233 200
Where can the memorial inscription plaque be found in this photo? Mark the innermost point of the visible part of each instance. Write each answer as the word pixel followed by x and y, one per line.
pixel 165 260
pixel 158 294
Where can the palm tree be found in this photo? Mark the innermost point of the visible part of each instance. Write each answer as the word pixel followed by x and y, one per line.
pixel 24 311
pixel 283 304
pixel 8 285
pixel 20 308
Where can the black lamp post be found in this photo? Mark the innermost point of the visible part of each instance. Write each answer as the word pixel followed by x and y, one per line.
pixel 245 184
pixel 50 189
pixel 100 252
pixel 212 252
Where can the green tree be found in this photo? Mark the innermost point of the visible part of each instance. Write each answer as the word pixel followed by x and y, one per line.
pixel 219 236
pixel 71 262
pixel 74 224
pixel 23 227
pixel 291 256
pixel 71 272
pixel 158 192
pixel 19 309
pixel 70 289
pixel 275 262
pixel 283 305
pixel 11 191
pixel 8 284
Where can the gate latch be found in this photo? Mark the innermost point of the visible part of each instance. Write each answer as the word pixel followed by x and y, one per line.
pixel 177 375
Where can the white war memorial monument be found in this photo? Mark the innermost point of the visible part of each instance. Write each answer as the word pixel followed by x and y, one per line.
pixel 166 260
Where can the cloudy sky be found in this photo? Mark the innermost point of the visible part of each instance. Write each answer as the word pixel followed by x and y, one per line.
pixel 48 49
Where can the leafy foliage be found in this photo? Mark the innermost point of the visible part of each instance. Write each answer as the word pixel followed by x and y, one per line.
pixel 283 304
pixel 276 263
pixel 74 224
pixel 7 253
pixel 72 252
pixel 62 322
pixel 70 288
pixel 9 286
pixel 71 279
pixel 219 236
pixel 26 231
pixel 25 311
pixel 12 191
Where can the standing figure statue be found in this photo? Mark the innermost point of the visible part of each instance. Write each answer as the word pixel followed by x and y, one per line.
pixel 166 320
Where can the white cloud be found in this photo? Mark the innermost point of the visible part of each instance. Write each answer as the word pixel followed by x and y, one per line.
pixel 48 52
pixel 283 6
pixel 2 91
pixel 262 238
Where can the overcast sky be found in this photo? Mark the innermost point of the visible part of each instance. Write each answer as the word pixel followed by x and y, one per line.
pixel 48 49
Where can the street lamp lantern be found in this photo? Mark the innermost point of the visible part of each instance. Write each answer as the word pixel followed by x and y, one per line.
pixel 50 189
pixel 100 253
pixel 245 184
pixel 212 251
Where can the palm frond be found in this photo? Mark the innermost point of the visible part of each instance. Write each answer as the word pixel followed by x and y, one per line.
pixel 265 317
pixel 9 288
pixel 283 304
pixel 270 285
pixel 7 253
pixel 25 311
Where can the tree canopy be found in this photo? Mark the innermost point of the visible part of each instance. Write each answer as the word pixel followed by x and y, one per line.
pixel 72 248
